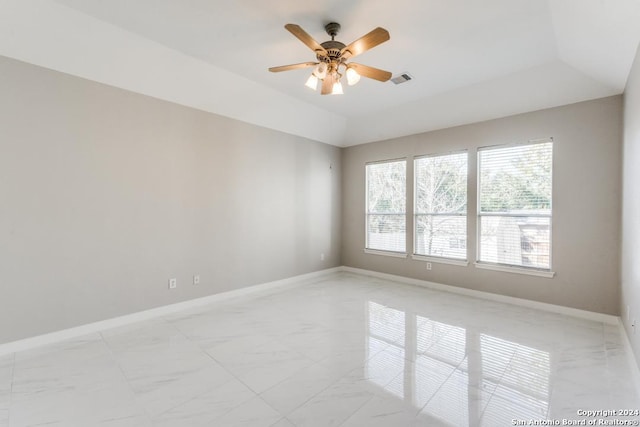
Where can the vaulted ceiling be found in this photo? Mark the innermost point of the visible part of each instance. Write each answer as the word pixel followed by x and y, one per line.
pixel 470 60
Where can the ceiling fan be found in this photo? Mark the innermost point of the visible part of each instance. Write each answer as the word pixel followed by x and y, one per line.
pixel 332 57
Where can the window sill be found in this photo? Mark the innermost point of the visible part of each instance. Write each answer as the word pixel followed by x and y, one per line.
pixel 516 270
pixel 437 260
pixel 385 253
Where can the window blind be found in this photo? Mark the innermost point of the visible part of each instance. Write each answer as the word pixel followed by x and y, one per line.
pixel 440 213
pixel 386 205
pixel 514 215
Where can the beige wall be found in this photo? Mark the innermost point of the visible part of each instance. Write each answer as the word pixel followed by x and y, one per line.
pixel 106 194
pixel 586 203
pixel 630 265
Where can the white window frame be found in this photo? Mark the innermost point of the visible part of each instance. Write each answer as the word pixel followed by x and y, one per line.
pixel 435 258
pixel 511 268
pixel 384 252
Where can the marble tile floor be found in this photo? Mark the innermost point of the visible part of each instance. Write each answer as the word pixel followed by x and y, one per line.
pixel 345 350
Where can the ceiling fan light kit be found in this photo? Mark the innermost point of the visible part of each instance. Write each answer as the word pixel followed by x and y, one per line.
pixel 332 57
pixel 337 89
pixel 321 70
pixel 352 76
pixel 312 82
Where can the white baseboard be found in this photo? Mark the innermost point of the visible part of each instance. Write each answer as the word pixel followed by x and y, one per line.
pixel 574 312
pixel 53 337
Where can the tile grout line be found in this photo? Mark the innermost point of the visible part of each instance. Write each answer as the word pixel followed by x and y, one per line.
pixel 210 356
pixel 310 398
pixel 457 367
pixel 168 322
pixel 420 409
pixel 402 372
pixel 233 376
pixel 285 379
pixel 124 376
pixel 331 384
pixel 500 382
pixel 365 360
pixel 356 411
pixel 281 419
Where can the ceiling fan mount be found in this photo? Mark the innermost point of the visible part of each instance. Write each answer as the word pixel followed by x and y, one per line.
pixel 332 56
pixel 332 28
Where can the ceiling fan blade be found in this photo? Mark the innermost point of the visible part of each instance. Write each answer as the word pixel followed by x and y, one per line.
pixel 292 67
pixel 327 84
pixel 366 42
pixel 305 38
pixel 370 72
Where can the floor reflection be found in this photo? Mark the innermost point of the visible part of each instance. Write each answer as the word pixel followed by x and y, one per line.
pixel 454 375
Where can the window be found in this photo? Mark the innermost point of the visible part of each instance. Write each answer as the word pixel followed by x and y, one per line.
pixel 441 206
pixel 514 212
pixel 386 206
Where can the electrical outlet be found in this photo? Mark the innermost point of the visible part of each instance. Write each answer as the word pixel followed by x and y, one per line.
pixel 428 266
pixel 173 283
pixel 196 279
pixel 321 257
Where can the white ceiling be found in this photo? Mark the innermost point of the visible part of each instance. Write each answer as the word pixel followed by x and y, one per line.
pixel 471 60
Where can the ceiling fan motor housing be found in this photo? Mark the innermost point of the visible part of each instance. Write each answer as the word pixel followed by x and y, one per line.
pixel 334 50
pixel 333 47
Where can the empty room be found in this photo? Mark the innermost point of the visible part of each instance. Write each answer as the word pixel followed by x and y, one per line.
pixel 330 213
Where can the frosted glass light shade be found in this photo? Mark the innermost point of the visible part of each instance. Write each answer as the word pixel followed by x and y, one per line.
pixel 352 76
pixel 321 70
pixel 312 82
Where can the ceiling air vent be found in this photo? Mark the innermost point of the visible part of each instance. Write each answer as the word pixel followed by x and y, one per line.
pixel 402 78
